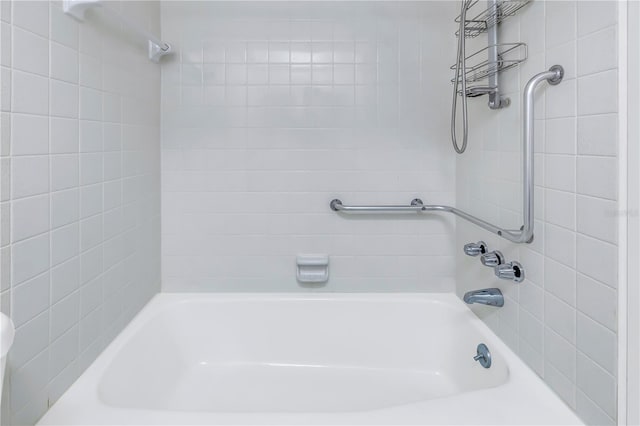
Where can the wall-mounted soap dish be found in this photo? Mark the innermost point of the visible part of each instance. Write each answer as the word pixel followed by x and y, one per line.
pixel 312 268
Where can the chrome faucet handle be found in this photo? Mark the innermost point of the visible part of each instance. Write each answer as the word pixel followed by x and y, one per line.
pixel 510 271
pixel 475 249
pixel 492 259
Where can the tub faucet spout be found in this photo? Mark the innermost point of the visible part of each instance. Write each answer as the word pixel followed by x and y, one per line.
pixel 486 296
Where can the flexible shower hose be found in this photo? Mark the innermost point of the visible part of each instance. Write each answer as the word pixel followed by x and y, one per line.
pixel 461 66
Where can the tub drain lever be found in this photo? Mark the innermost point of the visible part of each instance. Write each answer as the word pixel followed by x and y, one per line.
pixel 483 355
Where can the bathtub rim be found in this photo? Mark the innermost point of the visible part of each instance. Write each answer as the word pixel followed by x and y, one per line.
pixel 75 404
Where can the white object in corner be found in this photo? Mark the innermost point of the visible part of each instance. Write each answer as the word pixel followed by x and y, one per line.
pixel 312 268
pixel 77 9
pixel 7 332
pixel 157 51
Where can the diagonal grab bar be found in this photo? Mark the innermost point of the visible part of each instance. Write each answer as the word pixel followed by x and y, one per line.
pixel 416 206
pixel 525 233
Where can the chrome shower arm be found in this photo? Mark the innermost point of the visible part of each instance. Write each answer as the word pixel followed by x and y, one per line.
pixel 525 233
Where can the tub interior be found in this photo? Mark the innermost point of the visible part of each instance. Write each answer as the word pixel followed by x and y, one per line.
pixel 298 355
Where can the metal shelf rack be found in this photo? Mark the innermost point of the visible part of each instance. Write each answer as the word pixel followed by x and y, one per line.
pixel 499 56
pixel 509 55
pixel 490 16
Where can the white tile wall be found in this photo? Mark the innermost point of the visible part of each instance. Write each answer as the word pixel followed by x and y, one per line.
pixel 66 128
pixel 562 319
pixel 268 112
pixel 272 110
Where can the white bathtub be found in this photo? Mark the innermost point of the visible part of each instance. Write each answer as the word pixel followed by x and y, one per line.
pixel 299 359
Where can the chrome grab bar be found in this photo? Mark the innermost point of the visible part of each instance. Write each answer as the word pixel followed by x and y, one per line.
pixel 553 76
pixel 415 206
pixel 525 233
pixel 418 207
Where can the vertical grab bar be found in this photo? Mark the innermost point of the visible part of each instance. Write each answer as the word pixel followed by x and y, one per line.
pixel 553 76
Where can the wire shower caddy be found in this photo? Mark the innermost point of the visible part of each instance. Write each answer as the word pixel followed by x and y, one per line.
pixel 490 16
pixel 488 62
